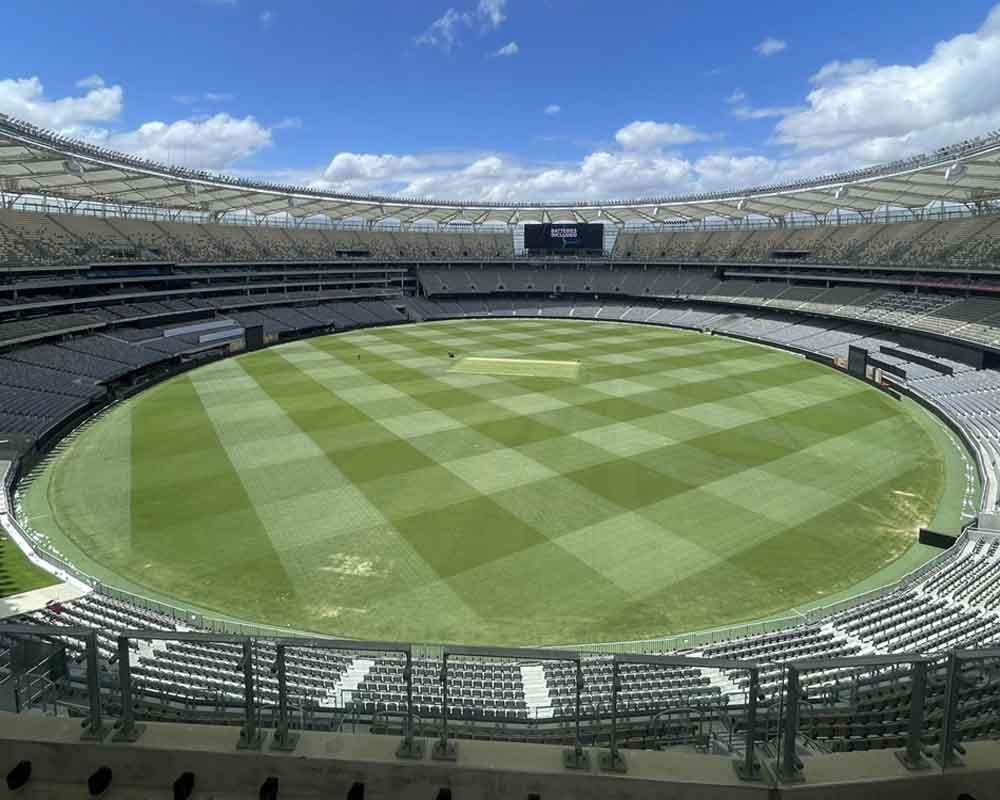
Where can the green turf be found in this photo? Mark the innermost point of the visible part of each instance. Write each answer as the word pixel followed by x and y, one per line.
pixel 17 574
pixel 360 485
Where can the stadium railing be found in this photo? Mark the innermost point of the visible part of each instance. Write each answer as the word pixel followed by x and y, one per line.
pixel 938 712
pixel 962 670
pixel 94 727
pixel 252 733
pixel 748 769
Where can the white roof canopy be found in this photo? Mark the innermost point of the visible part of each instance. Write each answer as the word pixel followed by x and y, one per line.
pixel 38 162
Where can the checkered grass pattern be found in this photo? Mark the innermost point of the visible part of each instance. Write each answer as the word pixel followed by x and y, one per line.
pixel 358 485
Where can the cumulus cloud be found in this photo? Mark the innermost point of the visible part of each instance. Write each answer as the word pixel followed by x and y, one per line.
pixel 212 143
pixel 641 165
pixel 509 49
pixel 25 98
pixel 645 135
pixel 880 112
pixel 553 108
pixel 770 46
pixel 838 70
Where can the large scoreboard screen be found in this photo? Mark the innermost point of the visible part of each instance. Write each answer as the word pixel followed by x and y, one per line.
pixel 578 236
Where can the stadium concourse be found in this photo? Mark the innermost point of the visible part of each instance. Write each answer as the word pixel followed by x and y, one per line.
pixel 97 305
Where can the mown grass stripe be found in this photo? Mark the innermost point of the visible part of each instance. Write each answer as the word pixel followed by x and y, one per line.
pixel 200 528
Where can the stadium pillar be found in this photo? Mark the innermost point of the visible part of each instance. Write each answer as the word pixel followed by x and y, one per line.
pixel 283 739
pixel 249 733
pixel 127 729
pixel 948 754
pixel 409 747
pixel 912 757
pixel 790 768
pixel 94 729
pixel 749 769
pixel 614 760
pixel 443 749
pixel 577 758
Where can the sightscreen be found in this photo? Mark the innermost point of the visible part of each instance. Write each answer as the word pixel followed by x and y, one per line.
pixel 564 236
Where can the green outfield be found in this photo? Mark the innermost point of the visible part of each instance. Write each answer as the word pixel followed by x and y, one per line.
pixel 17 574
pixel 368 484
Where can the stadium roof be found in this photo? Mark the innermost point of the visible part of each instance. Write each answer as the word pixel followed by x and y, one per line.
pixel 38 162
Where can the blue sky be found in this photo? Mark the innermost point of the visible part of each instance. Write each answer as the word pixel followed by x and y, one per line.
pixel 508 99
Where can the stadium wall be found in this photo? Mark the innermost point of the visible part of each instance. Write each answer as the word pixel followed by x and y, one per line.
pixel 328 765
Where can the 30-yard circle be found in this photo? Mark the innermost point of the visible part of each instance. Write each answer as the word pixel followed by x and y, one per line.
pixel 497 481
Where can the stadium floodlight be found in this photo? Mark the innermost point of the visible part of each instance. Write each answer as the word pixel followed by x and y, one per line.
pixel 73 167
pixel 955 172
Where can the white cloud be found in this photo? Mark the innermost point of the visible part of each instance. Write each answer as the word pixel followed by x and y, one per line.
pixel 25 98
pixel 93 81
pixel 288 123
pixel 645 135
pixel 509 49
pixel 266 18
pixel 204 97
pixel 640 166
pixel 213 143
pixel 770 46
pixel 762 112
pixel 741 109
pixel 883 112
pixel 492 12
pixel 443 32
pixel 553 108
pixel 838 70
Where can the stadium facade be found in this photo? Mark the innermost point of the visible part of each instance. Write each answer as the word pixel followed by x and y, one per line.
pixel 118 273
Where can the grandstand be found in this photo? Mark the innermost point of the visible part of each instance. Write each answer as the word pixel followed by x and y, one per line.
pixel 98 304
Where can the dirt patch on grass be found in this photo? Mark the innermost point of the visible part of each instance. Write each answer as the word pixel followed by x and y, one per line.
pixel 355 566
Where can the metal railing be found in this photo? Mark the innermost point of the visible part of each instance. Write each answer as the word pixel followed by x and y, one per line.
pixel 957 676
pixel 749 769
pixel 129 729
pixel 94 728
pixel 575 758
pixel 938 699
